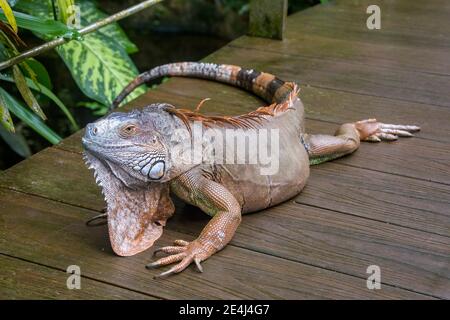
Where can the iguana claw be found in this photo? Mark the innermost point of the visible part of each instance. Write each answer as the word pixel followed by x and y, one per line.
pixel 97 220
pixel 183 252
pixel 373 131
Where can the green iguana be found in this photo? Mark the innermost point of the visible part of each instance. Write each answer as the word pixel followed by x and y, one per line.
pixel 133 155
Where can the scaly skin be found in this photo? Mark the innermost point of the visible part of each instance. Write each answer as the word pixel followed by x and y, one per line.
pixel 133 155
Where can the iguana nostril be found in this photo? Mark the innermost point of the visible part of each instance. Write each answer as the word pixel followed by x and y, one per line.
pixel 94 130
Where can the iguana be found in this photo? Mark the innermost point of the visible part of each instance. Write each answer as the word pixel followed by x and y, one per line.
pixel 133 155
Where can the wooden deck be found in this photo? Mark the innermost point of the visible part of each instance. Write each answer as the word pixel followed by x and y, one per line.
pixel 386 205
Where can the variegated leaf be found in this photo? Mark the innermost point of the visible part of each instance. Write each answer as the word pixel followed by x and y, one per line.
pixel 103 51
pixel 90 14
pixel 100 67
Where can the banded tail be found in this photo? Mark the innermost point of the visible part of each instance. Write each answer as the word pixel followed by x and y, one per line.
pixel 264 85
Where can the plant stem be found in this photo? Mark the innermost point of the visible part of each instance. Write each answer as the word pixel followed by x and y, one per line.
pixel 83 31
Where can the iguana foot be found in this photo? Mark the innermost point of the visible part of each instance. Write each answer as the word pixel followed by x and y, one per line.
pixel 373 131
pixel 183 252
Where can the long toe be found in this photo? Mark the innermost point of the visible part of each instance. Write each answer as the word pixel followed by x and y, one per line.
pixel 166 260
pixel 170 250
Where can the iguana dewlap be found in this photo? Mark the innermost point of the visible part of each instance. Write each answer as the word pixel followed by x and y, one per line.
pixel 133 155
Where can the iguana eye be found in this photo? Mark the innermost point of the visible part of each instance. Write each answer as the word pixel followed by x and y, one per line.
pixel 128 130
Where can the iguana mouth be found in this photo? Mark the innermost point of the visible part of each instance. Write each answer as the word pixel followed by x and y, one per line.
pixel 133 225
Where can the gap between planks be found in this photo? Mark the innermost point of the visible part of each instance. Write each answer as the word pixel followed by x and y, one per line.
pixel 35 263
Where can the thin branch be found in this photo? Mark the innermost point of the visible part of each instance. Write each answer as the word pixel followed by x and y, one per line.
pixel 90 28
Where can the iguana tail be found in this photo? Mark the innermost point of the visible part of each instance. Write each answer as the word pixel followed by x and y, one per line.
pixel 264 85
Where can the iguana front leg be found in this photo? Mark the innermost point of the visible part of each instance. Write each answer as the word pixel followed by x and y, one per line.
pixel 322 148
pixel 215 200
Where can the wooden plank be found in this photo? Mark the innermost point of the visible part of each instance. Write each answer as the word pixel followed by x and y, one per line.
pixel 338 31
pixel 409 259
pixel 392 202
pixel 54 234
pixel 23 280
pixel 343 75
pixel 398 200
pixel 57 175
pixel 356 50
pixel 419 27
pixel 401 6
pixel 267 18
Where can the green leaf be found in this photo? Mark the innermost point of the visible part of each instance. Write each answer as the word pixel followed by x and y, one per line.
pixel 24 66
pixel 48 27
pixel 49 94
pixel 3 51
pixel 29 118
pixel 39 8
pixel 5 116
pixel 12 3
pixel 41 73
pixel 26 93
pixel 99 63
pixel 65 11
pixel 16 142
pixel 100 67
pixel 90 14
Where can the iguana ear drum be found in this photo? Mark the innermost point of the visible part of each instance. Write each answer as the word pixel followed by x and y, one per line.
pixel 155 171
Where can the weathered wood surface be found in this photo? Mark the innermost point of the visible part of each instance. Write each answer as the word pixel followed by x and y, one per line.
pixel 236 273
pixel 27 280
pixel 388 204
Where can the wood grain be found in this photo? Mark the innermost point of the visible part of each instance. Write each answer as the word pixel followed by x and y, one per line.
pixel 60 238
pixel 409 259
pixel 23 280
pixel 346 76
pixel 419 26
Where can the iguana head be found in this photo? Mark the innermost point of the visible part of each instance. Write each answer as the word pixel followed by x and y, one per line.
pixel 129 153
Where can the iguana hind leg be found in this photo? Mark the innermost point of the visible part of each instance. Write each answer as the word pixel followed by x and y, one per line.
pixel 322 148
pixel 217 201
